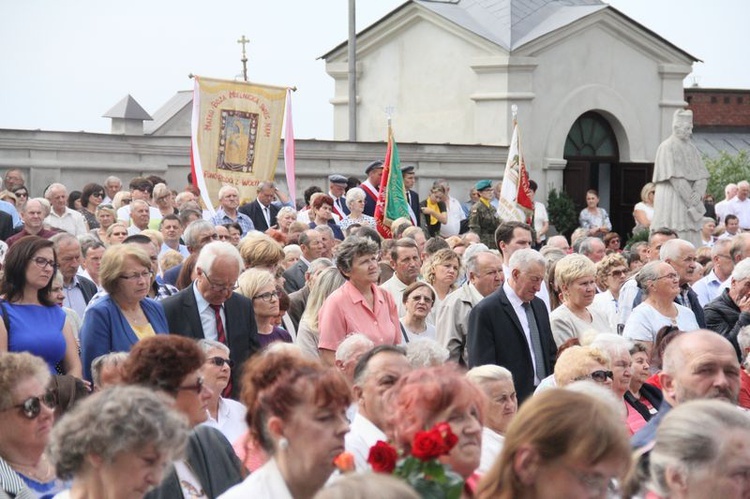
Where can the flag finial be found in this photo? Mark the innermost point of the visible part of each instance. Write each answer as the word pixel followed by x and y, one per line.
pixel 514 111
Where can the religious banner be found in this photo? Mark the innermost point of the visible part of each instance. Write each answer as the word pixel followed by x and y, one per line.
pixel 236 135
pixel 515 194
pixel 392 203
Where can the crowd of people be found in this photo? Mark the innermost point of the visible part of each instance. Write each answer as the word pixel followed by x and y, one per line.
pixel 151 346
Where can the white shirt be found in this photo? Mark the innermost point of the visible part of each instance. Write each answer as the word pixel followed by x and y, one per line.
pixel 492 444
pixel 265 482
pixel 208 316
pixel 606 304
pixel 722 209
pixel 707 288
pixel 540 218
pixel 123 214
pixel 70 221
pixel 396 288
pixel 362 435
pixel 645 321
pixel 741 209
pixel 231 419
pixel 517 305
pixel 455 215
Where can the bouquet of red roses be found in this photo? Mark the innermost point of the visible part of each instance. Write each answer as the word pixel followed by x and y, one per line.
pixel 421 468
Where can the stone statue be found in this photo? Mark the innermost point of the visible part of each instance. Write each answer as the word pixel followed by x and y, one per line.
pixel 681 180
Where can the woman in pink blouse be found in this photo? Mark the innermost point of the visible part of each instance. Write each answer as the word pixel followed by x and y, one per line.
pixel 358 306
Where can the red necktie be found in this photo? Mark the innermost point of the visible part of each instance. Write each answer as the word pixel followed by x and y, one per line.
pixel 222 338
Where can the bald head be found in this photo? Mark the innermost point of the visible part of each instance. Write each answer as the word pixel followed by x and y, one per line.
pixel 700 365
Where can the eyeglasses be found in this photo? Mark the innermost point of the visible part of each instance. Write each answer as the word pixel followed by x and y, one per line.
pixel 220 361
pixel 126 200
pixel 594 482
pixel 673 276
pixel 21 194
pixel 98 194
pixel 206 239
pixel 32 406
pixel 43 263
pixel 219 287
pixel 225 238
pixel 197 387
pixel 143 188
pixel 618 273
pixel 598 376
pixel 146 274
pixel 267 297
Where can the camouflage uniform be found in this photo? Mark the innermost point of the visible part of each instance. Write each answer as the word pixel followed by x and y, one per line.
pixel 483 220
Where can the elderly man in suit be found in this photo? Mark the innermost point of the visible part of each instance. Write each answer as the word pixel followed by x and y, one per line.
pixel 337 191
pixel 311 243
pixel 511 327
pixel 262 211
pixel 209 308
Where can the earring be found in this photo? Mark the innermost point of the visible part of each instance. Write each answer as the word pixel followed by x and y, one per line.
pixel 283 443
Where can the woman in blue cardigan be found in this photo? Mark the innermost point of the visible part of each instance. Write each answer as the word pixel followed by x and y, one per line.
pixel 116 322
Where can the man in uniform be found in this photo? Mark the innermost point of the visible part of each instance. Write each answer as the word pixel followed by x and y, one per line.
pixel 483 218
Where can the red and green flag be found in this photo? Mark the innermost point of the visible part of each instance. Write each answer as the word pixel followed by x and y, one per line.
pixel 392 203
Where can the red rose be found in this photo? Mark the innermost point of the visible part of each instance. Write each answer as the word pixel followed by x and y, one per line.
pixel 428 445
pixel 382 457
pixel 449 438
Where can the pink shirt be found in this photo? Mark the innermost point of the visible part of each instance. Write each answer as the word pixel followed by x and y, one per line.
pixel 345 311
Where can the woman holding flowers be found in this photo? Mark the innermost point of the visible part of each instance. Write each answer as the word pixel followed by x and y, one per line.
pixel 436 423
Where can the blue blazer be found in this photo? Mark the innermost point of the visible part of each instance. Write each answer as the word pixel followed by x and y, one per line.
pixel 106 330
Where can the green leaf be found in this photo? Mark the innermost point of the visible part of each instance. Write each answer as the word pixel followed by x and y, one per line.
pixel 726 169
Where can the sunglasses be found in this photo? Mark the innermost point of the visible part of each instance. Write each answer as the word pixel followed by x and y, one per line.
pixel 220 361
pixel 601 376
pixel 197 387
pixel 32 406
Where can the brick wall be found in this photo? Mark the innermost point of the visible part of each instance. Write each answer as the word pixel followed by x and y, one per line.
pixel 716 107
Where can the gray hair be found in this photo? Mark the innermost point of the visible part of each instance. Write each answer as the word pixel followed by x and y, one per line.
pixel 586 245
pixel 265 185
pixel 293 249
pixel 208 345
pixel 286 210
pixel 317 265
pixel 225 188
pixel 489 373
pixel 192 231
pixel 353 344
pixel 719 246
pixel 612 345
pixel 61 238
pixel 743 340
pixel 89 242
pixel 54 187
pixel 741 270
pixel 119 419
pixel 324 229
pixel 470 262
pixel 160 190
pixel 673 248
pixel 111 359
pixel 215 249
pixel 690 438
pixel 112 179
pixel 426 352
pixel 648 273
pixel 352 247
pixel 354 194
pixel 524 258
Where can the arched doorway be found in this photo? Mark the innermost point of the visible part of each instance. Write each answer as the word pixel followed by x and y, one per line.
pixel 593 157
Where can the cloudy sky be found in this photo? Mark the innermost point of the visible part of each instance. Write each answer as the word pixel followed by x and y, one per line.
pixel 65 63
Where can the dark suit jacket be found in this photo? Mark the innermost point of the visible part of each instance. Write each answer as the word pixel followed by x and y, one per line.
pixel 496 337
pixel 213 461
pixel 6 226
pixel 88 288
pixel 297 304
pixel 295 277
pixel 414 204
pixel 241 330
pixel 171 275
pixel 255 213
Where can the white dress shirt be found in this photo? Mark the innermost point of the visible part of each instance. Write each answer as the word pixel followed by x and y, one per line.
pixel 231 419
pixel 517 305
pixel 362 435
pixel 266 481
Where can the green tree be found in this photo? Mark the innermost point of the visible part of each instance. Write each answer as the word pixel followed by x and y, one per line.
pixel 726 169
pixel 562 212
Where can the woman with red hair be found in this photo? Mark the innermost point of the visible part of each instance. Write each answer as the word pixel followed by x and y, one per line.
pixel 432 395
pixel 322 208
pixel 296 411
